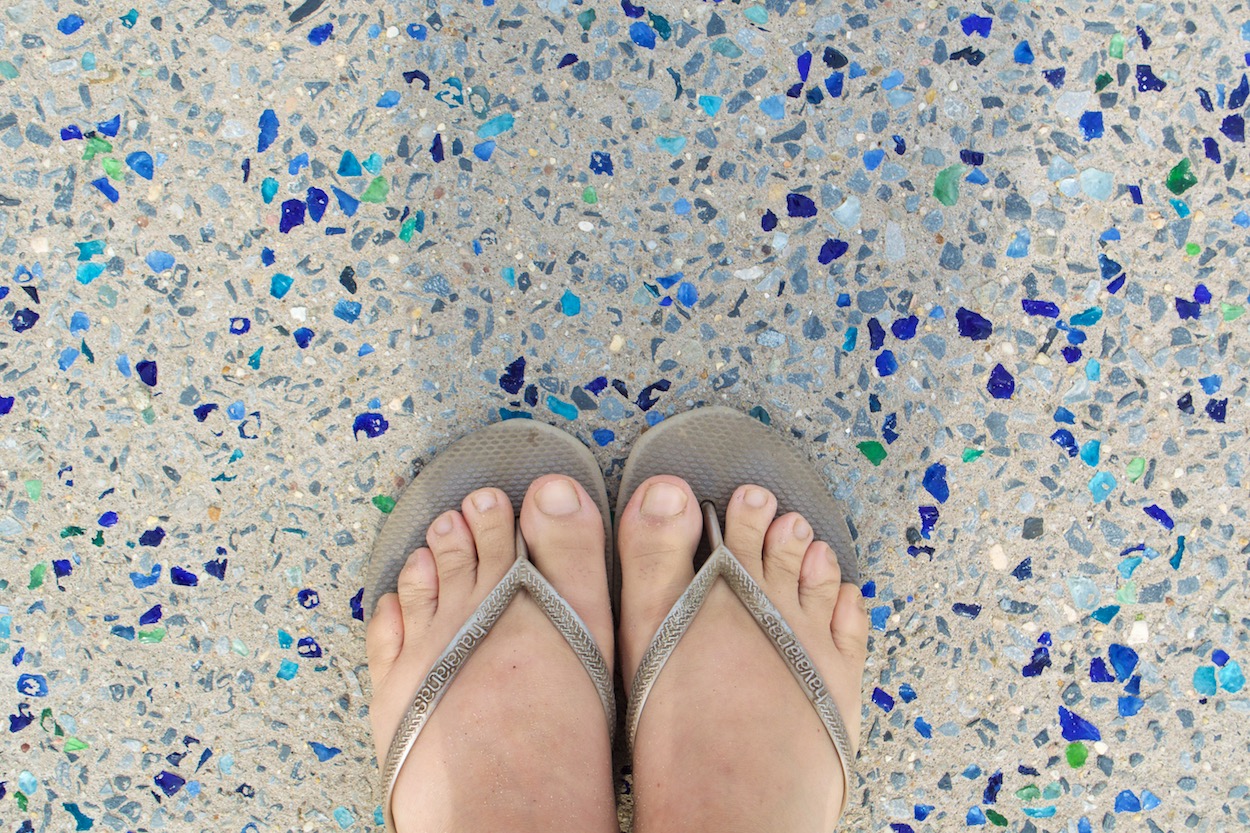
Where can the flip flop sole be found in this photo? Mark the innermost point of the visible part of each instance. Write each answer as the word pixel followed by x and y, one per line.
pixel 717 449
pixel 508 455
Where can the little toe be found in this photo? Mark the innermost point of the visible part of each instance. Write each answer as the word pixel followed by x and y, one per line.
pixel 384 638
pixel 785 543
pixel 820 580
pixel 850 624
pixel 455 554
pixel 488 512
pixel 563 531
pixel 747 517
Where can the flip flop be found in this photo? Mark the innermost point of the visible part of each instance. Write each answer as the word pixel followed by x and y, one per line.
pixel 716 450
pixel 508 455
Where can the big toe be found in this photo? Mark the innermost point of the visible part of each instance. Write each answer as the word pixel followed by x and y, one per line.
pixel 563 531
pixel 659 533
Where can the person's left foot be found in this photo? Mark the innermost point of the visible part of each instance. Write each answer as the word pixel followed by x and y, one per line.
pixel 727 739
pixel 519 741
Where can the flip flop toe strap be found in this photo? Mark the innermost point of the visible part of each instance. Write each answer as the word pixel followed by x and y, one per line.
pixel 723 564
pixel 522 575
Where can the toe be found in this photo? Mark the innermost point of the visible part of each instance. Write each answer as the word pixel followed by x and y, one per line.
pixel 785 543
pixel 747 518
pixel 563 531
pixel 488 512
pixel 455 555
pixel 849 627
pixel 850 624
pixel 659 532
pixel 384 637
pixel 820 579
pixel 384 644
pixel 418 593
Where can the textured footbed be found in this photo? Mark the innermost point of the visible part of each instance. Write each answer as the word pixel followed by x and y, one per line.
pixel 508 455
pixel 717 449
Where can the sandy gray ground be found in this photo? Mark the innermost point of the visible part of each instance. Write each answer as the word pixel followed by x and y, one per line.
pixel 212 406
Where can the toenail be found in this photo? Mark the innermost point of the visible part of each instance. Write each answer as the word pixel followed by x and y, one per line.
pixel 484 500
pixel 755 498
pixel 443 525
pixel 557 497
pixel 801 529
pixel 663 500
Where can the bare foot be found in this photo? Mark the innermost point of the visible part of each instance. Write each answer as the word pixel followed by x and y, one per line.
pixel 728 740
pixel 519 742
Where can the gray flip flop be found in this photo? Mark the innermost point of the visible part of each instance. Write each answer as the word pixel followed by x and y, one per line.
pixel 716 450
pixel 508 455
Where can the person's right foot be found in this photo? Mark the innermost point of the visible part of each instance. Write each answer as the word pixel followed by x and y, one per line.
pixel 728 740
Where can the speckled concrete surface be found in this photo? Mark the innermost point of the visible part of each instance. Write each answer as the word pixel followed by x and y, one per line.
pixel 257 263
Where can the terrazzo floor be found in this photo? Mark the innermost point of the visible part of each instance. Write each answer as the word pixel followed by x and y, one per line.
pixel 259 261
